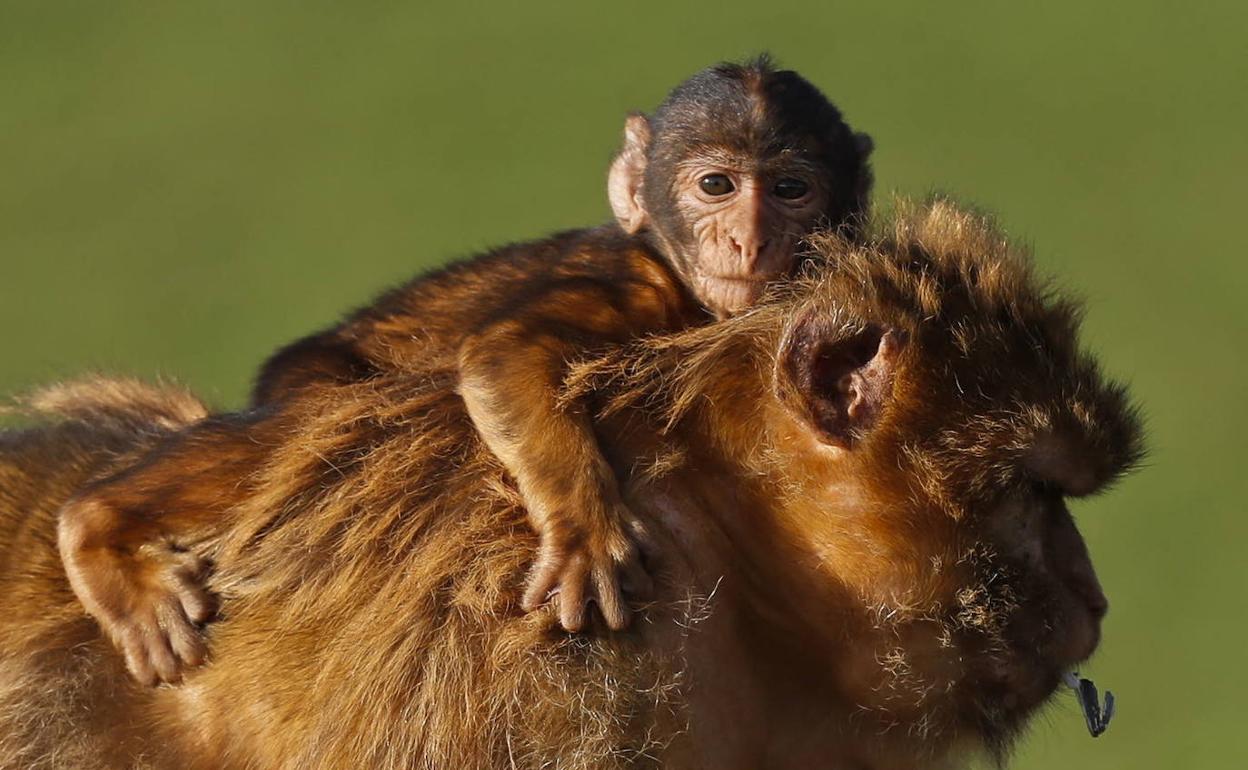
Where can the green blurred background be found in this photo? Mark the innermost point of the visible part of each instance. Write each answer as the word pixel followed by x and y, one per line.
pixel 185 186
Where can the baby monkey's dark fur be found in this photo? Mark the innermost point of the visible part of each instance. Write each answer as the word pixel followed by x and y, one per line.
pixel 508 323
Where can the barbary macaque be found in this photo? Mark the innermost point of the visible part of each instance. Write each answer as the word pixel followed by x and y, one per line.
pixel 713 197
pixel 859 489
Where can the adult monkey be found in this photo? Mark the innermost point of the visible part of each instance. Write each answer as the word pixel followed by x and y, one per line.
pixel 872 566
pixel 712 195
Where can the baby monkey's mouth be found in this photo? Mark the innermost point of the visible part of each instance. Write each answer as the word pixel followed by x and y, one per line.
pixel 743 278
pixel 728 294
pixel 1094 714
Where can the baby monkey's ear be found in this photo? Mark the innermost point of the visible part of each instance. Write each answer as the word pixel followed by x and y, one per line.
pixel 626 175
pixel 837 377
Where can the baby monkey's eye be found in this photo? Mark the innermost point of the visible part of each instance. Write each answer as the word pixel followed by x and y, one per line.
pixel 790 189
pixel 716 184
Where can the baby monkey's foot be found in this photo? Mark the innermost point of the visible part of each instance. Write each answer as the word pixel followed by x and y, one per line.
pixel 576 565
pixel 156 617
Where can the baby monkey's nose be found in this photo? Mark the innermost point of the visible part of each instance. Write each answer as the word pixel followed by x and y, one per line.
pixel 749 249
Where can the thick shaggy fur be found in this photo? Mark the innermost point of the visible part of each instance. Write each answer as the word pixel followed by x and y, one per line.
pixel 64 702
pixel 818 607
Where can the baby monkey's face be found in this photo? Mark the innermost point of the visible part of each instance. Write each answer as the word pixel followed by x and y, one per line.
pixel 746 221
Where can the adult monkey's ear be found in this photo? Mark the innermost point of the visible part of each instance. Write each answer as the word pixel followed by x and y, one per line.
pixel 838 378
pixel 627 172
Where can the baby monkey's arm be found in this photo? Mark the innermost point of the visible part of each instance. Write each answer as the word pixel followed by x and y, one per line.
pixel 510 376
pixel 128 542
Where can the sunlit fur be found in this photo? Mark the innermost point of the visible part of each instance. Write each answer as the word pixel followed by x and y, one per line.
pixel 818 607
pixel 509 320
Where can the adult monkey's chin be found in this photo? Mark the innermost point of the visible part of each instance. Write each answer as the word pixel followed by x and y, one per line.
pixel 1045 647
pixel 1007 693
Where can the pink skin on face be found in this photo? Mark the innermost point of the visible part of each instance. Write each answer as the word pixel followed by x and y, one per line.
pixel 747 225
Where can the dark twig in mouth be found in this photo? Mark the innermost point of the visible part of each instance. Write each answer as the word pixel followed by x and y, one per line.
pixel 1096 715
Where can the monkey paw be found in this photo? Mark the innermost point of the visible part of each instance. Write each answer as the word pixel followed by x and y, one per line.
pixel 165 604
pixel 576 565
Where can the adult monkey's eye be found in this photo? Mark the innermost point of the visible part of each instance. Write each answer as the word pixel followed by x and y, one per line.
pixel 716 184
pixel 790 189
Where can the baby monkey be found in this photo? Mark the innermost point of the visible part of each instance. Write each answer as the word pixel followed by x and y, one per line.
pixel 712 195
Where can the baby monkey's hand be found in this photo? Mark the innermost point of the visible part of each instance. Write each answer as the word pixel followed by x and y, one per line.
pixel 590 558
pixel 156 622
pixel 148 597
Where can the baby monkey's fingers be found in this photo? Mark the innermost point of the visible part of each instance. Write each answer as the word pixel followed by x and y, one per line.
pixel 159 632
pixel 571 594
pixel 139 660
pixel 148 653
pixel 603 565
pixel 196 602
pixel 571 578
pixel 185 638
pixel 543 578
pixel 610 597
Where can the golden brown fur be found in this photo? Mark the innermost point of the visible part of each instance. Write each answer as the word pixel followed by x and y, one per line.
pixel 871 606
pixel 63 698
pixel 743 162
pixel 506 322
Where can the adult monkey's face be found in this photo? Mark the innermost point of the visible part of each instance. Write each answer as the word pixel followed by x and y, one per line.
pixel 736 167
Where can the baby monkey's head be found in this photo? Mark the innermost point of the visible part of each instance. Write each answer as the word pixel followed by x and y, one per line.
pixel 731 173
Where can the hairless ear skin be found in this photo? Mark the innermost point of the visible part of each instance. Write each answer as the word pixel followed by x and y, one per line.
pixel 627 171
pixel 840 379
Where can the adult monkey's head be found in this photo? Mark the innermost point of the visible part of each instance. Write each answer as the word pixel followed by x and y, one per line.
pixel 732 171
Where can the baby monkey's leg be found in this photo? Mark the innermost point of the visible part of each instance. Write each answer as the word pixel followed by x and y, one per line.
pixel 128 543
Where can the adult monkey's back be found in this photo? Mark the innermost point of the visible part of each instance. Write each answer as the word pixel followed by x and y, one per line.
pixel 860 488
